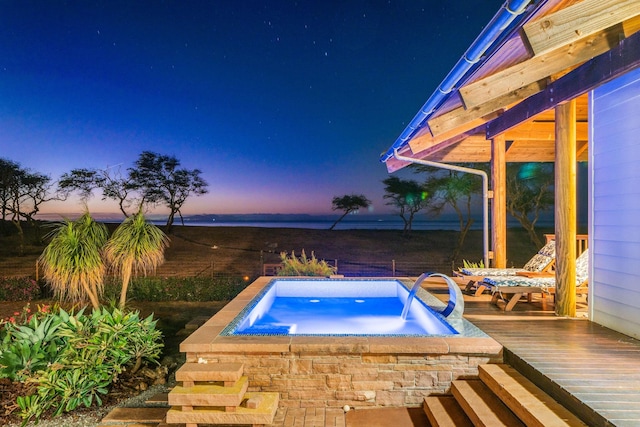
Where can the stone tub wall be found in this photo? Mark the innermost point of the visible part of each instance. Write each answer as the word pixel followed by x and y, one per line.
pixel 335 380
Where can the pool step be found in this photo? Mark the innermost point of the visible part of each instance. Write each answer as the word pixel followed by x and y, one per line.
pixel 228 373
pixel 210 395
pixel 216 393
pixel 525 399
pixel 444 411
pixel 134 417
pixel 481 406
pixel 500 396
pixel 262 414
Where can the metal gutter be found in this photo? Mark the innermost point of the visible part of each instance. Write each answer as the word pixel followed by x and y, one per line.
pixel 507 14
pixel 485 194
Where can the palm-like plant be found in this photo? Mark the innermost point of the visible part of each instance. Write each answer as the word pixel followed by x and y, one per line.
pixel 136 246
pixel 72 262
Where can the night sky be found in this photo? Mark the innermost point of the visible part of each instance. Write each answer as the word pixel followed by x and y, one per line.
pixel 282 104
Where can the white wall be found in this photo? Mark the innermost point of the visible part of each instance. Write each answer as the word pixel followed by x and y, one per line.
pixel 614 204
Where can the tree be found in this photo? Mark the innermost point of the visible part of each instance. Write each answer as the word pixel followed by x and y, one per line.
pixel 113 185
pixel 22 192
pixel 72 261
pixel 136 246
pixel 408 196
pixel 348 204
pixel 84 181
pixel 529 193
pixel 159 180
pixel 8 171
pixel 456 190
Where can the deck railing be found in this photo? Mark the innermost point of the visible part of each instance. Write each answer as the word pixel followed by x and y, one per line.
pixel 582 242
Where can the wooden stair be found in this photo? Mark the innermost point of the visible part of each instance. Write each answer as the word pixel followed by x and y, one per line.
pixel 501 396
pixel 444 411
pixel 216 393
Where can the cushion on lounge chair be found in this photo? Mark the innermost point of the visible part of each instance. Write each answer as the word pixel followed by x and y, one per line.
pixel 491 271
pixel 538 262
pixel 543 258
pixel 582 267
pixel 511 281
pixel 582 274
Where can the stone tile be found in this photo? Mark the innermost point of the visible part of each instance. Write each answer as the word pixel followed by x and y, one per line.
pixel 330 345
pixel 264 414
pixel 380 358
pixel 209 395
pixel 200 340
pixel 221 318
pixel 251 344
pixel 408 345
pixel 135 415
pixel 487 346
pixel 209 372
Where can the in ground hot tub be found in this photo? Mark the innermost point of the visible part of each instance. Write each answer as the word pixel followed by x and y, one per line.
pixel 338 364
pixel 337 307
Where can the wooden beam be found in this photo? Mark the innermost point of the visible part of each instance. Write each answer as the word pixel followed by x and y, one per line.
pixel 599 70
pixel 565 209
pixel 471 150
pixel 577 21
pixel 425 141
pixel 581 150
pixel 541 67
pixel 543 131
pixel 499 202
pixel 461 120
pixel 531 151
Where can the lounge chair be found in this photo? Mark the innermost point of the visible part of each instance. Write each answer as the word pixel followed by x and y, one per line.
pixel 520 285
pixel 541 262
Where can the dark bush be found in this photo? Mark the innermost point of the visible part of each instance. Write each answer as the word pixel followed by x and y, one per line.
pixel 178 288
pixel 19 289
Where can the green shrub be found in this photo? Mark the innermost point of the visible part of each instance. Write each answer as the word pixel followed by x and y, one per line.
pixel 178 288
pixel 73 358
pixel 18 289
pixel 303 266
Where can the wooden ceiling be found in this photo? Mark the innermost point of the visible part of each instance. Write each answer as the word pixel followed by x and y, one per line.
pixel 521 76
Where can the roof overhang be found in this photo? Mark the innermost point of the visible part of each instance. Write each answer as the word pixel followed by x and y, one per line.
pixel 565 49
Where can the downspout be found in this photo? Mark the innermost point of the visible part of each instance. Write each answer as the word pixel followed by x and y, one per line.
pixel 509 11
pixel 485 194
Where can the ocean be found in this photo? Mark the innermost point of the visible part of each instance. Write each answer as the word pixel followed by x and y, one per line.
pixel 324 222
pixel 317 222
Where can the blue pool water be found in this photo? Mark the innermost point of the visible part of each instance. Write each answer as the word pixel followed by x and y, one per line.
pixel 337 307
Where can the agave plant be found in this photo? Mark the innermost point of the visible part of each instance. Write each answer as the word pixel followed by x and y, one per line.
pixel 72 262
pixel 136 246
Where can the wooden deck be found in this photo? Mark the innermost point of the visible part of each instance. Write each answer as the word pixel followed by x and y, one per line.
pixel 592 370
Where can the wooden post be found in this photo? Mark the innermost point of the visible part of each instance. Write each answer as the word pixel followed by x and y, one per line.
pixel 499 202
pixel 565 209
